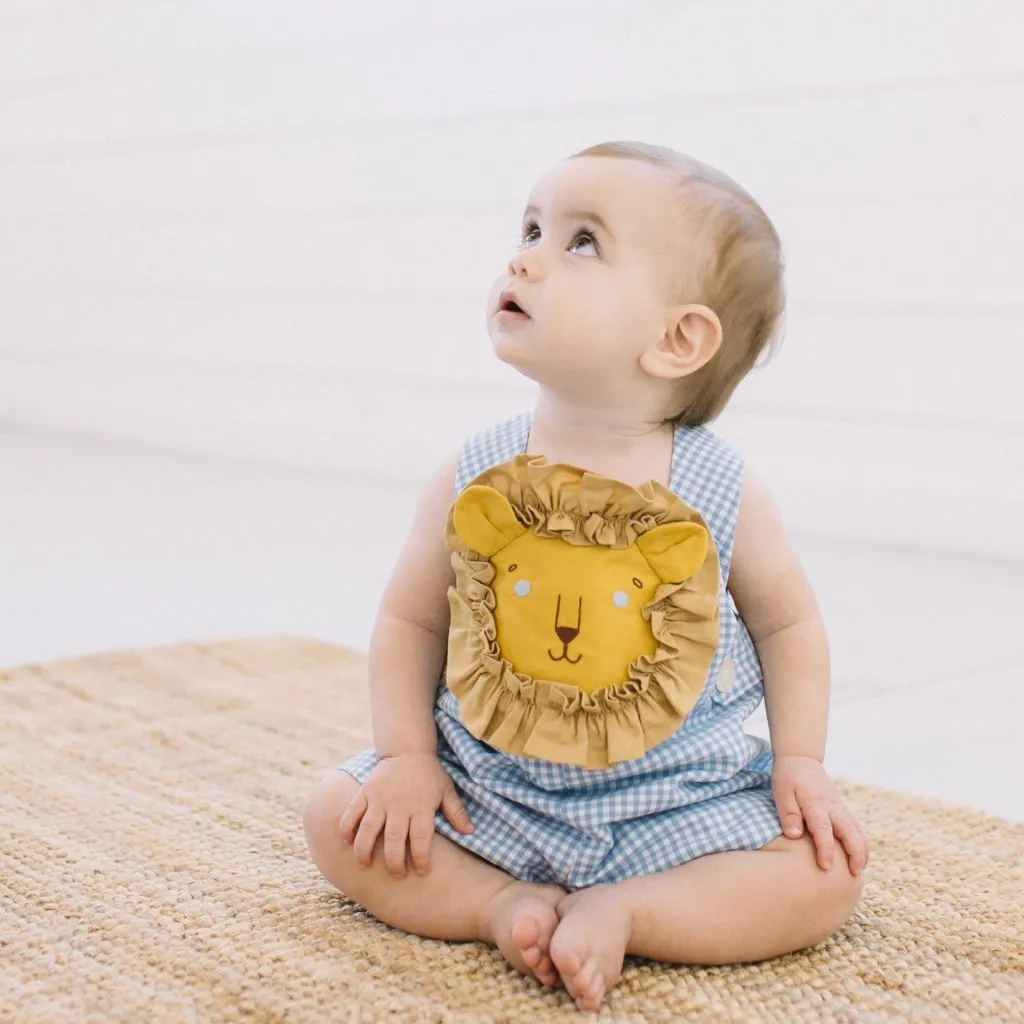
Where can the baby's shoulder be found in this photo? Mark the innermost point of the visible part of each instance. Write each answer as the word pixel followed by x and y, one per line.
pixel 708 442
pixel 490 444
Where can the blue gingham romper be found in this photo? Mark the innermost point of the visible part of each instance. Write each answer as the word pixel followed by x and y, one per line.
pixel 705 789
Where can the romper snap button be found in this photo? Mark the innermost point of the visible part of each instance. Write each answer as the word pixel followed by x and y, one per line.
pixel 726 676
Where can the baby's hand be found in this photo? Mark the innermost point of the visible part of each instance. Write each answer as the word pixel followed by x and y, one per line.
pixel 802 790
pixel 401 795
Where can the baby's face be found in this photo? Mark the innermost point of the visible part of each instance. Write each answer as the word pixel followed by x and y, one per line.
pixel 595 273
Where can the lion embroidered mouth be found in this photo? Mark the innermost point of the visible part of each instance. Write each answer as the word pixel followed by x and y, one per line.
pixel 564 656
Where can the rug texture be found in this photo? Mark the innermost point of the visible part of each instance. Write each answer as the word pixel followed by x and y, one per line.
pixel 153 868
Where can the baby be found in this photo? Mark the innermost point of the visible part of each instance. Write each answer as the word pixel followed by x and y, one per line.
pixel 581 819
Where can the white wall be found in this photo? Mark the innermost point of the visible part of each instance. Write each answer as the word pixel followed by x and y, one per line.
pixel 266 230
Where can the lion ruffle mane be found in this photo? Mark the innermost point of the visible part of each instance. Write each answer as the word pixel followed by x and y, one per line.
pixel 558 721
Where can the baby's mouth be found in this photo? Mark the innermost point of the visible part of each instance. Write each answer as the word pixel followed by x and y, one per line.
pixel 509 308
pixel 511 312
pixel 511 316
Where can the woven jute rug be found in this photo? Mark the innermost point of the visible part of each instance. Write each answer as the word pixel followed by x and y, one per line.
pixel 153 868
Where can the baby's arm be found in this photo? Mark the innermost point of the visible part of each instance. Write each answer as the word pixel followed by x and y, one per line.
pixel 407 648
pixel 778 607
pixel 410 635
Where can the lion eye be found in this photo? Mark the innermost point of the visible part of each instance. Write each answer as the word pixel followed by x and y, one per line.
pixel 522 587
pixel 513 567
pixel 638 583
pixel 621 598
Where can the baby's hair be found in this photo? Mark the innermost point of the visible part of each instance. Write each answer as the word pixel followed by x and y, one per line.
pixel 739 276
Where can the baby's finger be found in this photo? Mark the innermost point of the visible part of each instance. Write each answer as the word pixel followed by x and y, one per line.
pixel 366 837
pixel 351 816
pixel 848 832
pixel 395 832
pixel 421 831
pixel 455 810
pixel 867 845
pixel 790 815
pixel 820 827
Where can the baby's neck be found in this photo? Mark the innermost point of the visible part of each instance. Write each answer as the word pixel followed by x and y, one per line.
pixel 614 443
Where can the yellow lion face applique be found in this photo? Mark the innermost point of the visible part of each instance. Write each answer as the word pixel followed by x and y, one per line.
pixel 573 613
pixel 584 612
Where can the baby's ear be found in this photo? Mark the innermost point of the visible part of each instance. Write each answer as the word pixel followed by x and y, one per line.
pixel 675 551
pixel 484 520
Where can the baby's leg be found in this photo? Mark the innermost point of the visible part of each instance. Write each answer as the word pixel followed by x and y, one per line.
pixel 725 908
pixel 462 897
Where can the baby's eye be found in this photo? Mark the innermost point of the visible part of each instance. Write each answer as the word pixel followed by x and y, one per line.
pixel 531 232
pixel 588 240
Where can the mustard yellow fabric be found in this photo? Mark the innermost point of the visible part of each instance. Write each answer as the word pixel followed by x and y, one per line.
pixel 584 615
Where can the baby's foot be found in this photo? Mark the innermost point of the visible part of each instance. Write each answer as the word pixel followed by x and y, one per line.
pixel 520 920
pixel 590 941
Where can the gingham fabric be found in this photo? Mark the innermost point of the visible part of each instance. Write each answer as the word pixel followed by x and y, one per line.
pixel 705 789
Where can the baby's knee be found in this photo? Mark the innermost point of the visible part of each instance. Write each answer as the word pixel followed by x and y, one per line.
pixel 322 816
pixel 837 893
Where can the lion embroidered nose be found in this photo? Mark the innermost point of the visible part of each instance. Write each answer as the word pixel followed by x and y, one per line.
pixel 568 633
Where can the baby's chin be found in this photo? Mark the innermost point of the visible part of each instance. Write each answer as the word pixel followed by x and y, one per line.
pixel 524 347
pixel 543 362
pixel 517 360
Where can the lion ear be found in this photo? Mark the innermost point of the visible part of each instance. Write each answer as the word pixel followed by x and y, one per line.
pixel 675 551
pixel 484 520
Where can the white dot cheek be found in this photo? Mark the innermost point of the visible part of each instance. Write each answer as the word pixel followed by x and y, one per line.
pixel 522 587
pixel 621 598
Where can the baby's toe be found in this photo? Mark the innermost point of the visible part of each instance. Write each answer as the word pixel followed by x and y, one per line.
pixel 545 969
pixel 589 985
pixel 566 958
pixel 547 975
pixel 532 936
pixel 591 1001
pixel 532 957
pixel 586 975
pixel 526 933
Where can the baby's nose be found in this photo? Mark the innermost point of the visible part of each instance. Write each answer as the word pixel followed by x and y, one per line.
pixel 517 267
pixel 527 263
